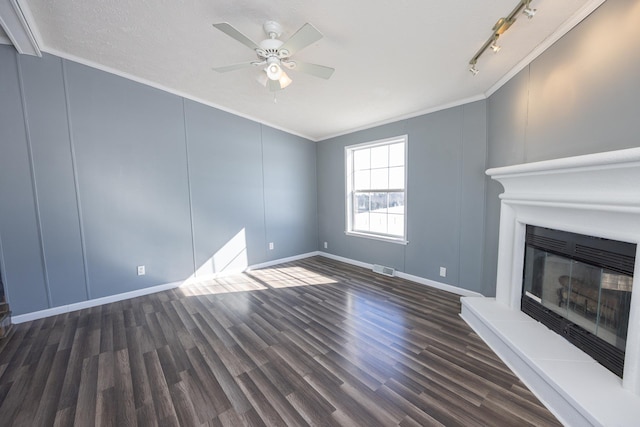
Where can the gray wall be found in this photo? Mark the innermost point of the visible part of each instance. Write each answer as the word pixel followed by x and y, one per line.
pixel 99 174
pixel 445 197
pixel 579 97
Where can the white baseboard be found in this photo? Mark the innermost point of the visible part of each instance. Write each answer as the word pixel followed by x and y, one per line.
pixel 282 260
pixel 411 277
pixel 438 285
pixel 27 317
pixel 345 260
pixel 21 318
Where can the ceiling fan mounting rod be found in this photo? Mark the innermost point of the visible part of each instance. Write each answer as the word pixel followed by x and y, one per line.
pixel 273 29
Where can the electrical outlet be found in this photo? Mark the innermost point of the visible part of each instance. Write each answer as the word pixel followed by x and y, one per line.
pixel 141 270
pixel 270 246
pixel 326 245
pixel 443 272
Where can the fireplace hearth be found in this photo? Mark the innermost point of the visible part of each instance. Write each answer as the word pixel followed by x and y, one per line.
pixel 596 196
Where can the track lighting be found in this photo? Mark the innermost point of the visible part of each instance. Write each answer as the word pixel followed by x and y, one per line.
pixel 501 25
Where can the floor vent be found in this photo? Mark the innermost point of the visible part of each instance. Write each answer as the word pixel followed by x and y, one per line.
pixel 387 271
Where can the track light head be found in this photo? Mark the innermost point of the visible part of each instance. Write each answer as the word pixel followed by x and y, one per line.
pixel 473 70
pixel 495 47
pixel 529 12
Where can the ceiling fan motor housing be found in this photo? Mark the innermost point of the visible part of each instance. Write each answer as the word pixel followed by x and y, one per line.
pixel 271 48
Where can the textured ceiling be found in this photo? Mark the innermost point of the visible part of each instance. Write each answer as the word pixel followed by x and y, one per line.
pixel 393 59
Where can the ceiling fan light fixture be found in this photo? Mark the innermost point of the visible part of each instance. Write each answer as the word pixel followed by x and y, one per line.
pixel 274 71
pixel 284 80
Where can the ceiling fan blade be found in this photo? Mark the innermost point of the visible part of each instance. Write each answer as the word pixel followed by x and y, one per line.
pixel 229 30
pixel 306 35
pixel 313 69
pixel 233 67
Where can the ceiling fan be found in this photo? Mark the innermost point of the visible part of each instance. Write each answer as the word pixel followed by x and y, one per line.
pixel 275 54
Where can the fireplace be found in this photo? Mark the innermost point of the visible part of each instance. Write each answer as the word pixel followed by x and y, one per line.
pixel 580 287
pixel 594 199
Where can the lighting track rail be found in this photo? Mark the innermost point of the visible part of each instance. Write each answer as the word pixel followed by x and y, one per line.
pixel 502 25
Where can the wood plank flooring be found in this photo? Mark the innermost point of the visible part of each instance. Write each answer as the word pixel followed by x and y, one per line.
pixel 312 342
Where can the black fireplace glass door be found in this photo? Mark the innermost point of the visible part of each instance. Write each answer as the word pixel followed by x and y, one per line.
pixel 591 297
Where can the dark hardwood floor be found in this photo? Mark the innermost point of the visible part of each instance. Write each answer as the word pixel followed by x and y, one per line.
pixel 312 342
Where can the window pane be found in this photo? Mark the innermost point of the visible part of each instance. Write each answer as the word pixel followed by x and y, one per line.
pixel 380 157
pixel 378 222
pixel 362 202
pixel 379 202
pixel 396 224
pixel 396 177
pixel 362 180
pixel 396 154
pixel 380 179
pixel 361 159
pixel 375 169
pixel 361 221
pixel 396 203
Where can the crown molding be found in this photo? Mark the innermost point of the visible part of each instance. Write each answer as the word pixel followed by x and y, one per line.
pixel 18 23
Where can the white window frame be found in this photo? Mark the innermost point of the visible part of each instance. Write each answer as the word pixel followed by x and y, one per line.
pixel 349 178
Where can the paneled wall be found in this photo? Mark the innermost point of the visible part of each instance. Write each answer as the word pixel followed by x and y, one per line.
pixel 99 174
pixel 445 197
pixel 579 97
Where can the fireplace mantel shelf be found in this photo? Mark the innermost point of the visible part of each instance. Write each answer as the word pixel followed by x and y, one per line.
pixel 597 195
pixel 610 179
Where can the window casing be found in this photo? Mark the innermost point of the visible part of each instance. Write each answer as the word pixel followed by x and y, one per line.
pixel 376 196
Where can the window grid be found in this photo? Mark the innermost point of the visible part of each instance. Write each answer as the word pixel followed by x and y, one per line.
pixel 376 189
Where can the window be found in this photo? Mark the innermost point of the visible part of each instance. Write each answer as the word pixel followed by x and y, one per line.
pixel 376 189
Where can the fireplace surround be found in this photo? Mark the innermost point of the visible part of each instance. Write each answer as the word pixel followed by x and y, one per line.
pixel 595 195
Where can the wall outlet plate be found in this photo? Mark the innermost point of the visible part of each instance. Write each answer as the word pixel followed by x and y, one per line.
pixel 443 272
pixel 141 270
pixel 270 246
pixel 326 245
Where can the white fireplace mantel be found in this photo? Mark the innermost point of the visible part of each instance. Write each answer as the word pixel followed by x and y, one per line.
pixel 597 195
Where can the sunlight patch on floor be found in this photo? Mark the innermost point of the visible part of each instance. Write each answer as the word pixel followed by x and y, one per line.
pixel 222 285
pixel 286 277
pixel 255 280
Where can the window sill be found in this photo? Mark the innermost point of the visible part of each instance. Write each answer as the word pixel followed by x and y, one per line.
pixel 398 241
